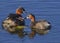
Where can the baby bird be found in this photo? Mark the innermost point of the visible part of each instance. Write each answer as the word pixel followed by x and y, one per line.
pixel 41 27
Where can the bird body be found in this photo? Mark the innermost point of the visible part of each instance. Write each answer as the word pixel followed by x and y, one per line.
pixel 40 26
pixel 10 23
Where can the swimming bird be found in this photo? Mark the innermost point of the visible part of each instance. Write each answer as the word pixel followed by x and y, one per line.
pixel 41 27
pixel 14 21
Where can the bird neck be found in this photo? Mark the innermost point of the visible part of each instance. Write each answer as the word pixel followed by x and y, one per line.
pixel 18 13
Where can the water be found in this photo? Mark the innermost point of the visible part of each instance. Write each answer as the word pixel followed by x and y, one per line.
pixel 42 9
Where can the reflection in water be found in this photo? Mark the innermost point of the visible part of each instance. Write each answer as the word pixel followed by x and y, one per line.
pixel 20 32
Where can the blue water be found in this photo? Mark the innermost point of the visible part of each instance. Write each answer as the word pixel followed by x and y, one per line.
pixel 42 9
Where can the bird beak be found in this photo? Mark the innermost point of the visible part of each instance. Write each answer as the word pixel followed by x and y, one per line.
pixel 27 17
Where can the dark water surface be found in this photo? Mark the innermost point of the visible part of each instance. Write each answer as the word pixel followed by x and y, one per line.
pixel 42 9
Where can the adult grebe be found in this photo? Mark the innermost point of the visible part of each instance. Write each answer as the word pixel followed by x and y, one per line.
pixel 14 20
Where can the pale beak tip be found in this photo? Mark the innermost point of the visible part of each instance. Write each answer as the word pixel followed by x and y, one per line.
pixel 27 17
